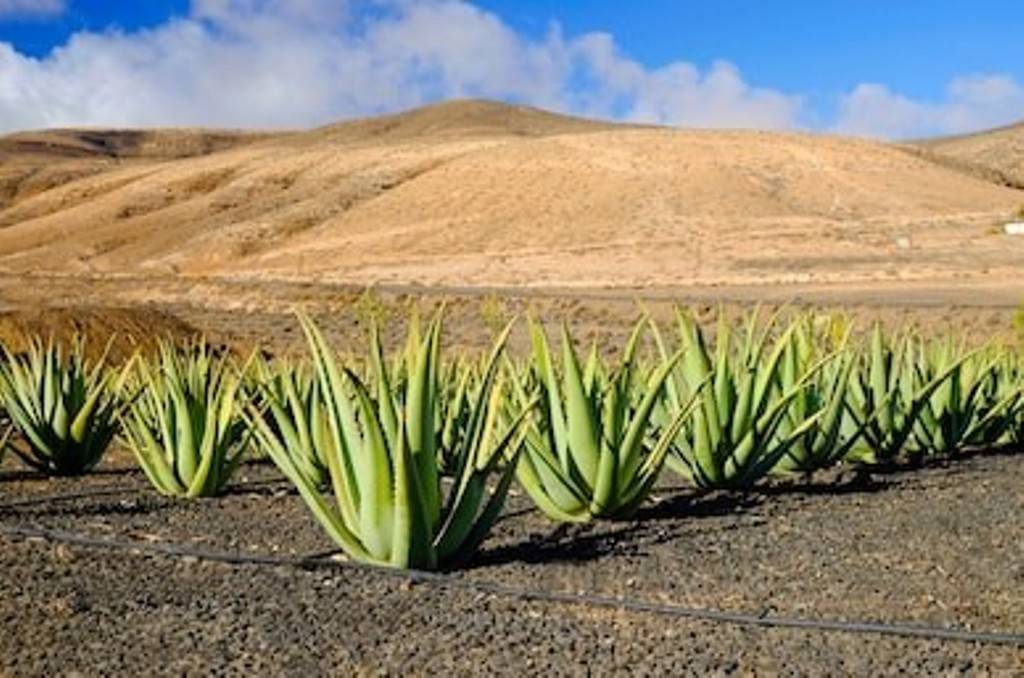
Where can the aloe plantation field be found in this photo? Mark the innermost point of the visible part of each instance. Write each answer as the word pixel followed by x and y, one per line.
pixel 699 491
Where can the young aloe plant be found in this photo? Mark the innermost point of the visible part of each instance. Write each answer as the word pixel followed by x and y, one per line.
pixel 455 401
pixel 63 407
pixel 1011 382
pixel 734 436
pixel 288 394
pixel 7 427
pixel 389 507
pixel 888 396
pixel 595 451
pixel 183 424
pixel 832 434
pixel 970 408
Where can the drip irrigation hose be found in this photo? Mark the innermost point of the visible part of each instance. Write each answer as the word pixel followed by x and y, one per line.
pixel 510 592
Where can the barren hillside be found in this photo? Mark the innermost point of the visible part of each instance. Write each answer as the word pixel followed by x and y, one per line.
pixel 476 193
pixel 34 162
pixel 1000 150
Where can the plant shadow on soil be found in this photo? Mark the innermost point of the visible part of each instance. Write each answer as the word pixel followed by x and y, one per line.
pixel 565 543
pixel 949 462
pixel 658 523
pixel 664 520
pixel 530 539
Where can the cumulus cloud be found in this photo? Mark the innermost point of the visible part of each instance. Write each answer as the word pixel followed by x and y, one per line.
pixel 970 103
pixel 293 63
pixel 30 8
pixel 298 63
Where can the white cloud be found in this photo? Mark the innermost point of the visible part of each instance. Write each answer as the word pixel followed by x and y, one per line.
pixel 30 8
pixel 296 63
pixel 971 103
pixel 306 62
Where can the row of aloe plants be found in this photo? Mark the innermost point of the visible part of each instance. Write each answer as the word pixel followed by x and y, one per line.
pixel 406 459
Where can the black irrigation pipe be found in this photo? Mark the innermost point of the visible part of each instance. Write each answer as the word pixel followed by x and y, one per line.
pixel 492 588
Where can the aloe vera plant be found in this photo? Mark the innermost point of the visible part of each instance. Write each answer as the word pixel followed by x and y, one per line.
pixel 288 395
pixel 63 407
pixel 822 400
pixel 183 423
pixel 969 408
pixel 456 398
pixel 388 506
pixel 1011 382
pixel 8 430
pixel 595 451
pixel 734 436
pixel 888 397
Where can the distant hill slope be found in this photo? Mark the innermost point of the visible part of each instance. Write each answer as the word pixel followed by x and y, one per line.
pixel 33 162
pixel 460 118
pixel 1000 151
pixel 478 193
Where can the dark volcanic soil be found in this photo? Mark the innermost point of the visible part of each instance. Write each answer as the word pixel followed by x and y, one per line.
pixel 941 547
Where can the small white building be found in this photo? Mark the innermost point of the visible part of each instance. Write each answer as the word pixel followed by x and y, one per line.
pixel 1014 228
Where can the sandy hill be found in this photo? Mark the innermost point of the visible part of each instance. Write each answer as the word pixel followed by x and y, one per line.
pixel 1000 151
pixel 457 119
pixel 477 193
pixel 33 162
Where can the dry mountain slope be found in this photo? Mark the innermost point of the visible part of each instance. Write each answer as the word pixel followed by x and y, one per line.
pixel 478 193
pixel 1000 150
pixel 457 119
pixel 34 162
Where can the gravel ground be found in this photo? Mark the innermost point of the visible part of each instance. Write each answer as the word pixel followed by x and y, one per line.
pixel 941 547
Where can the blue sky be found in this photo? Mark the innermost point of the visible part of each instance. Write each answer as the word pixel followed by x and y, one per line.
pixel 825 46
pixel 871 67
